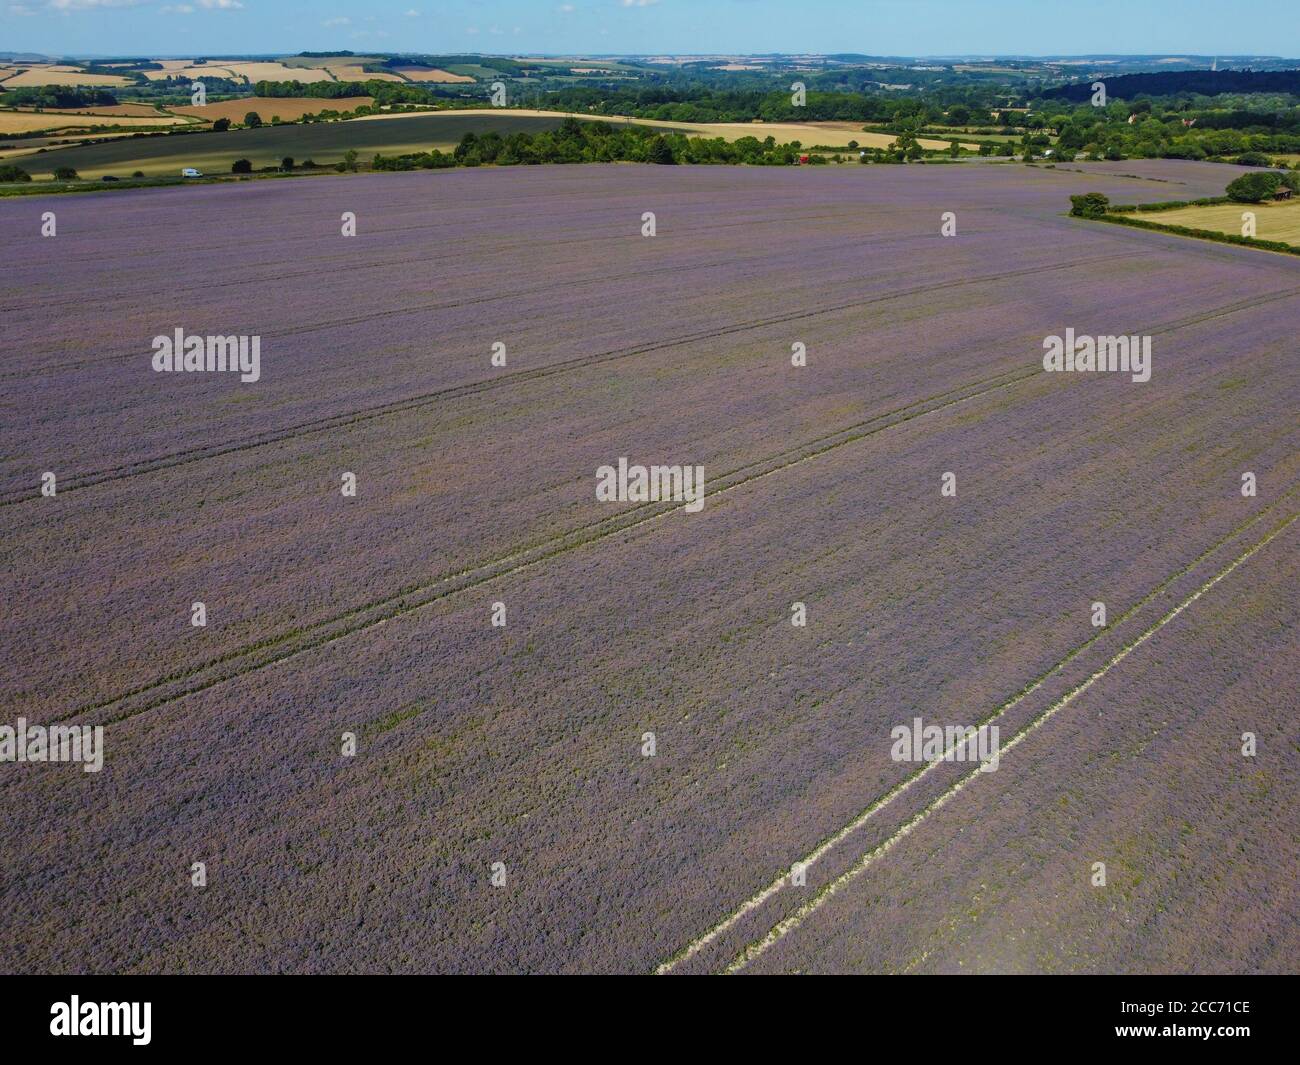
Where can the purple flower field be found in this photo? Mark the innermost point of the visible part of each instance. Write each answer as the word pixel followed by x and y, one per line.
pixel 523 745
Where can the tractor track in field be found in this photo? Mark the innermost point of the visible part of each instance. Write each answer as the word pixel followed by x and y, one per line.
pixel 757 947
pixel 424 308
pixel 835 840
pixel 73 482
pixel 277 648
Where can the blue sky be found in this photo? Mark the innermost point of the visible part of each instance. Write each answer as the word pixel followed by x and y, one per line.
pixel 877 27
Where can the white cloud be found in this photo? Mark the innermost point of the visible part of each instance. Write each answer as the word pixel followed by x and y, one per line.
pixel 342 20
pixel 88 5
pixel 221 5
pixel 639 3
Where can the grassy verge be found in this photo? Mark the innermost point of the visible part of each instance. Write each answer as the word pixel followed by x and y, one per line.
pixel 1200 234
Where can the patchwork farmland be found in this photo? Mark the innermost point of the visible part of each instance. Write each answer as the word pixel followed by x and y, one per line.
pixel 517 753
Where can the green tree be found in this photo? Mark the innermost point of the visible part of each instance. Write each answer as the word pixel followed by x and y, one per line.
pixel 660 152
pixel 221 125
pixel 252 120
pixel 65 173
pixel 241 166
pixel 1252 188
pixel 1089 205
pixel 286 163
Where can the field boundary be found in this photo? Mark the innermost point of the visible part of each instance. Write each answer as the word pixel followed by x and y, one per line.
pixel 1278 246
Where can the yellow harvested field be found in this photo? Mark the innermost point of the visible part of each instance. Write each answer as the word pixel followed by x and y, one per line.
pixel 186 70
pixel 32 121
pixel 1273 221
pixel 853 132
pixel 139 110
pixel 54 75
pixel 277 72
pixel 287 108
pixel 431 74
pixel 237 70
pixel 356 72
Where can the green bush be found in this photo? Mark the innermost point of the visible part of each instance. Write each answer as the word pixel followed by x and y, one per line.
pixel 14 173
pixel 241 166
pixel 1089 205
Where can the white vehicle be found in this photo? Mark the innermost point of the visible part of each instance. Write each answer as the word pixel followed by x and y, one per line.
pixel 189 171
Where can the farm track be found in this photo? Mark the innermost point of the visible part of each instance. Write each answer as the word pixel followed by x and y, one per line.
pixel 781 880
pixel 756 948
pixel 72 482
pixel 275 649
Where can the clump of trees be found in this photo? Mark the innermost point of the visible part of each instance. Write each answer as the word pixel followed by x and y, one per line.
pixel 58 96
pixel 1264 185
pixel 8 172
pixel 1089 205
pixel 384 92
pixel 576 141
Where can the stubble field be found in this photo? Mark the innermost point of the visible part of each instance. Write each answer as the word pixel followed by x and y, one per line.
pixel 523 745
